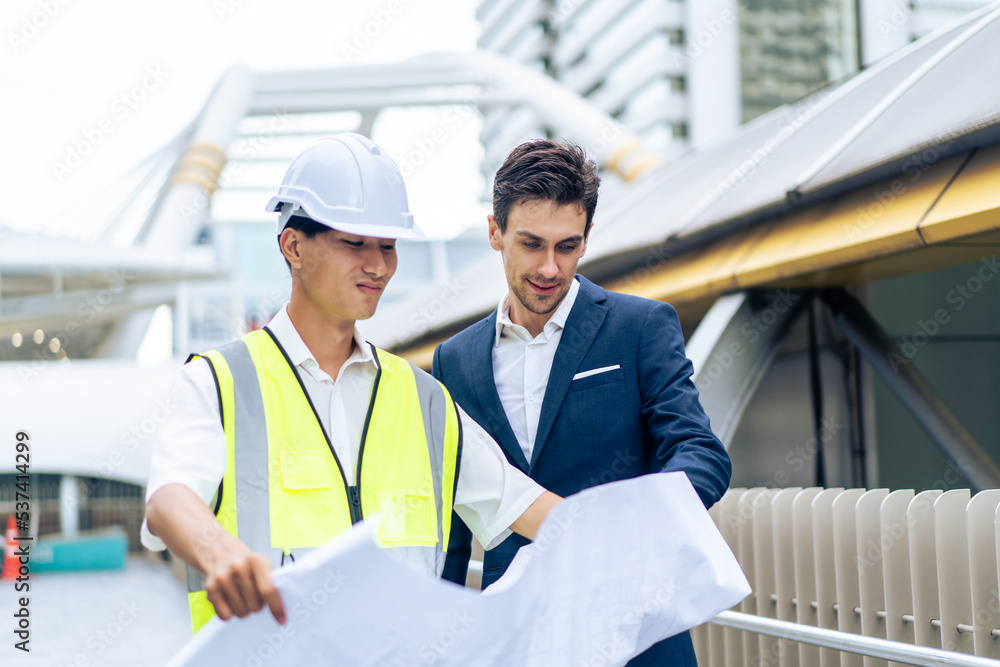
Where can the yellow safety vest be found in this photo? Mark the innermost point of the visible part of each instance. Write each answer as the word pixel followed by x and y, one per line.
pixel 284 490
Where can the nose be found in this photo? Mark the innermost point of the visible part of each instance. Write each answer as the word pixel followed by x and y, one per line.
pixel 548 268
pixel 374 264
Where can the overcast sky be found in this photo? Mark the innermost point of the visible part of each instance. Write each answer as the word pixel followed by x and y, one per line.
pixel 68 65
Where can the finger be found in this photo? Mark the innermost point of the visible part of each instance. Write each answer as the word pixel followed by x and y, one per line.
pixel 229 588
pixel 269 592
pixel 248 588
pixel 222 608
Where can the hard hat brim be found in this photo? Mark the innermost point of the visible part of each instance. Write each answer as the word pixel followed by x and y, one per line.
pixel 412 232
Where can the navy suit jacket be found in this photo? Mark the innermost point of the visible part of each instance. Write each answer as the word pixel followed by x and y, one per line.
pixel 641 417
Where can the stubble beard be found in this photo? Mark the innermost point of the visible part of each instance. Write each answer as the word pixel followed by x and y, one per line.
pixel 525 295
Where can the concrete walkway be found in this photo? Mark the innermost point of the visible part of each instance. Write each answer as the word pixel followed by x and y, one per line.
pixel 136 617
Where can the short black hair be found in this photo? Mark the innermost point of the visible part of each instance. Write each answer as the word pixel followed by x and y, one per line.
pixel 546 170
pixel 307 226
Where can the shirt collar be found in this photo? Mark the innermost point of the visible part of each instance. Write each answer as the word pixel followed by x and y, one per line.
pixel 300 355
pixel 557 320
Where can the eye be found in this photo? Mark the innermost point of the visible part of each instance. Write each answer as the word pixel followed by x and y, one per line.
pixel 531 244
pixel 388 247
pixel 354 244
pixel 567 248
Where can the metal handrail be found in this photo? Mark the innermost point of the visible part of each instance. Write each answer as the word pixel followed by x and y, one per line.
pixel 846 641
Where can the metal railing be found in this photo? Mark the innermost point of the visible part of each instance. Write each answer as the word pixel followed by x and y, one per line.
pixel 844 641
pixel 914 574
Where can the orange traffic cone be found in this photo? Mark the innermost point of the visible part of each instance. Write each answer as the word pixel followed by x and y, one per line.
pixel 10 562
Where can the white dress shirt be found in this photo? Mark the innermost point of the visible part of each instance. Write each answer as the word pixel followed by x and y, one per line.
pixel 521 366
pixel 189 447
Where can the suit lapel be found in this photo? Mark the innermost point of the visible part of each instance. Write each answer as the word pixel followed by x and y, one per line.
pixel 581 329
pixel 486 391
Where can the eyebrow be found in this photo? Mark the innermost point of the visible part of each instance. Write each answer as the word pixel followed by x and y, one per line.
pixel 535 237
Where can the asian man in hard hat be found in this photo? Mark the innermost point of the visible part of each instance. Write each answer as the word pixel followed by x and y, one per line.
pixel 286 437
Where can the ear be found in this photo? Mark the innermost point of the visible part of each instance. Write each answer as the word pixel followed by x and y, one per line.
pixel 496 238
pixel 289 242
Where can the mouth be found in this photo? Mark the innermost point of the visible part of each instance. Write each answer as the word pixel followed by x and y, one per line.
pixel 369 289
pixel 543 290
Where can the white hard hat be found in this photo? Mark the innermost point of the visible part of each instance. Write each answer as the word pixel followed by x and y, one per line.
pixel 347 183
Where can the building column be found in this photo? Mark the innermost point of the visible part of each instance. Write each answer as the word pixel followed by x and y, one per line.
pixel 69 506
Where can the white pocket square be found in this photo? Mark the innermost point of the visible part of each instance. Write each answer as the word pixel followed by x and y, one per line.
pixel 595 371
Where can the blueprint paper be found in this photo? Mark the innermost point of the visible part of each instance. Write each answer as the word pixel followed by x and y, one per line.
pixel 614 569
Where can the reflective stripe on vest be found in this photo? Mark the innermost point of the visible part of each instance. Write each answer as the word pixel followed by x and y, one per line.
pixel 280 464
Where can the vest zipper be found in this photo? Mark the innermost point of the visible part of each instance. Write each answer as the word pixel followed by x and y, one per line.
pixel 354 492
pixel 354 498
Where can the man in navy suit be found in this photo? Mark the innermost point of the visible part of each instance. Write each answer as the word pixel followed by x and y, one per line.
pixel 578 385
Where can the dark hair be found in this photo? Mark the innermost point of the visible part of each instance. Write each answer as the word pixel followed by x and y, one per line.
pixel 307 226
pixel 546 170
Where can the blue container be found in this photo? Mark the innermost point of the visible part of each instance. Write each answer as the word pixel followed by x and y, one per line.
pixel 102 550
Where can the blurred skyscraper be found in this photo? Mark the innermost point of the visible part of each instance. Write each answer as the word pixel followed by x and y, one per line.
pixel 681 74
pixel 789 48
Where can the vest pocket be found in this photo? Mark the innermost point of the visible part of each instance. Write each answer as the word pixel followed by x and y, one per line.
pixel 304 470
pixel 408 518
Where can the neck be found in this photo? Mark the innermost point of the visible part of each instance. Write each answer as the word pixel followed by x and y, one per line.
pixel 521 316
pixel 331 340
